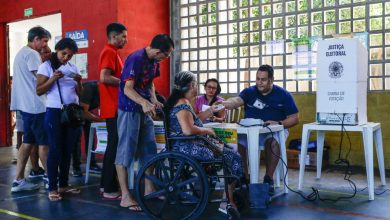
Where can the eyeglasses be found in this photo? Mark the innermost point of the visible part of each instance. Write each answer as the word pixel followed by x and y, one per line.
pixel 167 54
pixel 211 88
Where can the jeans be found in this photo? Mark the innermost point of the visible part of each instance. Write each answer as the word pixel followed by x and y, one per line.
pixel 62 140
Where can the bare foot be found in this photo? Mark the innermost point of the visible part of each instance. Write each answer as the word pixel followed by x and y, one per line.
pixel 54 196
pixel 127 201
pixel 113 195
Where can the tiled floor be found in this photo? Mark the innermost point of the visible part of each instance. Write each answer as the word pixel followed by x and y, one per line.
pixel 89 205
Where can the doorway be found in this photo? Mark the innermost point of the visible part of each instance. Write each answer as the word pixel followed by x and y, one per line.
pixel 17 33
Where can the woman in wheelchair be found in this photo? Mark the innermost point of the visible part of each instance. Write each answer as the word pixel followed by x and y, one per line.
pixel 182 121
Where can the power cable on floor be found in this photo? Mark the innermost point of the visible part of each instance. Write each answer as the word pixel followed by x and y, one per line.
pixel 347 176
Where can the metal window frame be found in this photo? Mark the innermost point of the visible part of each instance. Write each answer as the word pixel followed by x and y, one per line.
pixel 176 62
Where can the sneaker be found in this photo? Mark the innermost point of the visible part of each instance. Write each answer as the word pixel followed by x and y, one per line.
pixel 270 182
pixel 35 174
pixel 14 161
pixel 45 181
pixel 94 168
pixel 77 172
pixel 23 185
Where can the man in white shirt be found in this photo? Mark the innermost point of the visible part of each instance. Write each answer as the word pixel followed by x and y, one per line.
pixel 32 106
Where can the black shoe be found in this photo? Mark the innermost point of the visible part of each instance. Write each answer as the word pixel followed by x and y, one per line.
pixel 94 168
pixel 233 213
pixel 270 182
pixel 34 174
pixel 77 172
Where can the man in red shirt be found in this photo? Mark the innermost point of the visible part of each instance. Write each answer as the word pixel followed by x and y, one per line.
pixel 110 68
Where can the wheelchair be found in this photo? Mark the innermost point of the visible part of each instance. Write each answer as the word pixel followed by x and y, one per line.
pixel 183 184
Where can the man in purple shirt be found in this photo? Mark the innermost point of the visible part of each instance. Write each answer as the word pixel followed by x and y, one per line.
pixel 136 104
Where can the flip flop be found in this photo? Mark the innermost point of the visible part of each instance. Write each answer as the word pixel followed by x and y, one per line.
pixel 54 196
pixel 69 190
pixel 133 208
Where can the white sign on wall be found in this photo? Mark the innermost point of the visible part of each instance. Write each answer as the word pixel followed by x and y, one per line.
pixel 81 61
pixel 80 36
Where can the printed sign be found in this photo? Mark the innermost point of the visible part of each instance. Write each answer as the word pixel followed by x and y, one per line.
pixel 80 36
pixel 28 12
pixel 229 136
pixel 101 135
pixel 305 54
pixel 159 131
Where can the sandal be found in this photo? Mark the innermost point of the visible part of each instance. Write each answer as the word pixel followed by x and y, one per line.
pixel 128 204
pixel 135 208
pixel 54 196
pixel 69 190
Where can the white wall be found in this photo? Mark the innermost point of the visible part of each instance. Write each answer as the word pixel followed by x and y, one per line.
pixel 18 33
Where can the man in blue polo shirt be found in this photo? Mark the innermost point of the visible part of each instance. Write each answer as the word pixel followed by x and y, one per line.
pixel 273 105
pixel 136 104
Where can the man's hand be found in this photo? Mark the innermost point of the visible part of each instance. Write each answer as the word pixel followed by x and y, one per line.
pixel 217 107
pixel 149 108
pixel 158 104
pixel 270 122
pixel 232 103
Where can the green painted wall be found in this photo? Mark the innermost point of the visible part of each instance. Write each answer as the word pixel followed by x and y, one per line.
pixel 378 105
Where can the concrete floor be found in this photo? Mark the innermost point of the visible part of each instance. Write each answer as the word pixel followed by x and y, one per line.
pixel 89 205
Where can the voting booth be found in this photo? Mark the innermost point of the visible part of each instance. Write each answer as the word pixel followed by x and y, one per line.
pixel 342 82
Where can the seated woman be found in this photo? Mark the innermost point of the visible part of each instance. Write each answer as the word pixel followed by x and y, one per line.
pixel 213 89
pixel 183 121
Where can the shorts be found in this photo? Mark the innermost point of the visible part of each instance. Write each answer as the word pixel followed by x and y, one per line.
pixel 136 137
pixel 242 139
pixel 33 128
pixel 19 122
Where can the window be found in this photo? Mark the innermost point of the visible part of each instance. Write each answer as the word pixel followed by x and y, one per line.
pixel 229 39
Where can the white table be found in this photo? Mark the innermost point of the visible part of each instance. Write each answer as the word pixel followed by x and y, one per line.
pixel 252 134
pixel 370 131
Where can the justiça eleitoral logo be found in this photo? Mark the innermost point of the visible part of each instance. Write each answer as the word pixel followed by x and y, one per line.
pixel 336 70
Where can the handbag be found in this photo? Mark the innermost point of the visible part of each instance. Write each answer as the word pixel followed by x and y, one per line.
pixel 72 115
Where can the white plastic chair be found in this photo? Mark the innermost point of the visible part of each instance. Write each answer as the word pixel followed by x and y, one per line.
pixel 233 115
pixel 101 132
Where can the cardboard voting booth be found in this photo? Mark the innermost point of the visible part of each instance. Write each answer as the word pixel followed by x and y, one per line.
pixel 342 82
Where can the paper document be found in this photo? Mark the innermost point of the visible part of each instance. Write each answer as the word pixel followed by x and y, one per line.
pixel 218 108
pixel 251 122
pixel 205 107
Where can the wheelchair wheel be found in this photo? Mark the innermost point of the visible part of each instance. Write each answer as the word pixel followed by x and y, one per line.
pixel 181 187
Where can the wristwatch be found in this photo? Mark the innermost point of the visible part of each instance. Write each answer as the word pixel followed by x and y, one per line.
pixel 280 123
